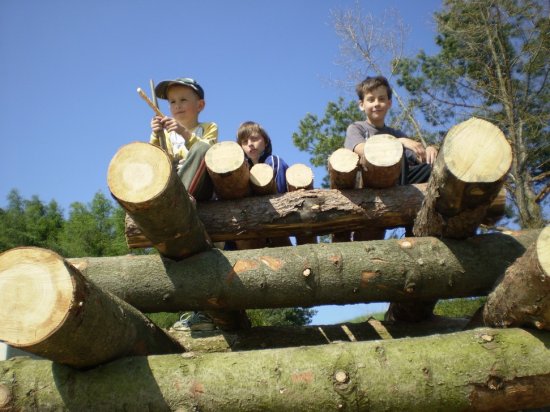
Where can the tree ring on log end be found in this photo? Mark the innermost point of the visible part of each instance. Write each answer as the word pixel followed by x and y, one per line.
pixel 224 157
pixel 543 250
pixel 261 174
pixel 476 151
pixel 36 290
pixel 299 176
pixel 383 150
pixel 138 172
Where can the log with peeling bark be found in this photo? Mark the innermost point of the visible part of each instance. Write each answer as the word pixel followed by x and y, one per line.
pixel 142 180
pixel 480 370
pixel 310 275
pixel 522 296
pixel 318 211
pixel 381 162
pixel 343 165
pixel 48 308
pixel 262 179
pixel 467 176
pixel 228 169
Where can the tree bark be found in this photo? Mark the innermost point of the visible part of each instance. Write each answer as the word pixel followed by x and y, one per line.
pixel 49 309
pixel 467 176
pixel 318 211
pixel 343 165
pixel 479 370
pixel 311 275
pixel 381 161
pixel 522 295
pixel 142 180
pixel 228 169
pixel 262 179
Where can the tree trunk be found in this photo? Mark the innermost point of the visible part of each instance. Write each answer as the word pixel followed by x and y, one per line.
pixel 299 176
pixel 382 161
pixel 467 176
pixel 522 295
pixel 49 309
pixel 343 165
pixel 228 169
pixel 479 370
pixel 317 211
pixel 311 275
pixel 262 179
pixel 143 181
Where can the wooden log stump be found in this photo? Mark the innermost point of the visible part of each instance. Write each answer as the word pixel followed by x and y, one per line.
pixel 522 296
pixel 262 179
pixel 143 181
pixel 300 177
pixel 381 162
pixel 343 166
pixel 467 176
pixel 49 309
pixel 410 269
pixel 228 169
pixel 480 370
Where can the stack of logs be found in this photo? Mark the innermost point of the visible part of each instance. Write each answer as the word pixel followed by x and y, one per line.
pixel 86 313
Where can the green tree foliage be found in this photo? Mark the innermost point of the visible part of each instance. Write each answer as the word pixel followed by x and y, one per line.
pixel 281 317
pixel 321 137
pixel 493 63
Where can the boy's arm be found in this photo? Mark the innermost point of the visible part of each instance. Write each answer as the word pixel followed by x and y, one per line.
pixel 210 135
pixel 355 139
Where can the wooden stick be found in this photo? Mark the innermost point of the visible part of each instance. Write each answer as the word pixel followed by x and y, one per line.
pixel 160 135
pixel 149 102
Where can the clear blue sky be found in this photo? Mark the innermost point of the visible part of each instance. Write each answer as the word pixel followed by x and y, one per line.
pixel 70 70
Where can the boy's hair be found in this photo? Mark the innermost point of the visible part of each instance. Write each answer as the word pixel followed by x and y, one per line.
pixel 248 129
pixel 371 83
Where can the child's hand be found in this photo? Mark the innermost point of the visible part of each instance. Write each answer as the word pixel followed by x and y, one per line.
pixel 156 124
pixel 431 154
pixel 172 125
pixel 415 147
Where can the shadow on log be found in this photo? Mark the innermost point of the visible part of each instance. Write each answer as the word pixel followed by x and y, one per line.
pixel 483 369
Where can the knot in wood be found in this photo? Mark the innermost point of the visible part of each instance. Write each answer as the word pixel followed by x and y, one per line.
pixel 5 396
pixel 341 377
pixel 306 272
pixel 495 383
pixel 405 244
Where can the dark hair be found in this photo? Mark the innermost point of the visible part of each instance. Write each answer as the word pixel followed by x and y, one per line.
pixel 371 83
pixel 248 129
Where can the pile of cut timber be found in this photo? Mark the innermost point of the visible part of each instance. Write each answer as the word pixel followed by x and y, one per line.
pixel 86 313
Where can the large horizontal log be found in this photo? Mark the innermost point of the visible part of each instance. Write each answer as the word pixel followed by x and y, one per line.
pixel 310 275
pixel 479 370
pixel 317 211
pixel 48 308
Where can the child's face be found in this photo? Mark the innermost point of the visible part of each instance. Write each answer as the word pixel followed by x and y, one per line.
pixel 376 104
pixel 185 105
pixel 254 146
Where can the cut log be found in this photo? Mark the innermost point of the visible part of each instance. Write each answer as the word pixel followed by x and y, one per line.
pixel 343 165
pixel 262 179
pixel 318 211
pixel 49 309
pixel 480 370
pixel 299 176
pixel 228 169
pixel 143 181
pixel 378 271
pixel 381 161
pixel 522 296
pixel 467 176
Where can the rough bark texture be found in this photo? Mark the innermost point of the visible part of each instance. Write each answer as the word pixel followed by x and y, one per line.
pixel 143 181
pixel 381 161
pixel 522 295
pixel 480 370
pixel 228 169
pixel 317 211
pixel 74 322
pixel 467 176
pixel 271 337
pixel 310 275
pixel 343 165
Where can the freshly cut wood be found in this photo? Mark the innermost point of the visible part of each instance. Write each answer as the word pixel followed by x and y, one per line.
pixel 49 309
pixel 467 176
pixel 262 179
pixel 228 169
pixel 409 269
pixel 382 161
pixel 522 296
pixel 318 211
pixel 299 176
pixel 479 370
pixel 143 181
pixel 343 165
